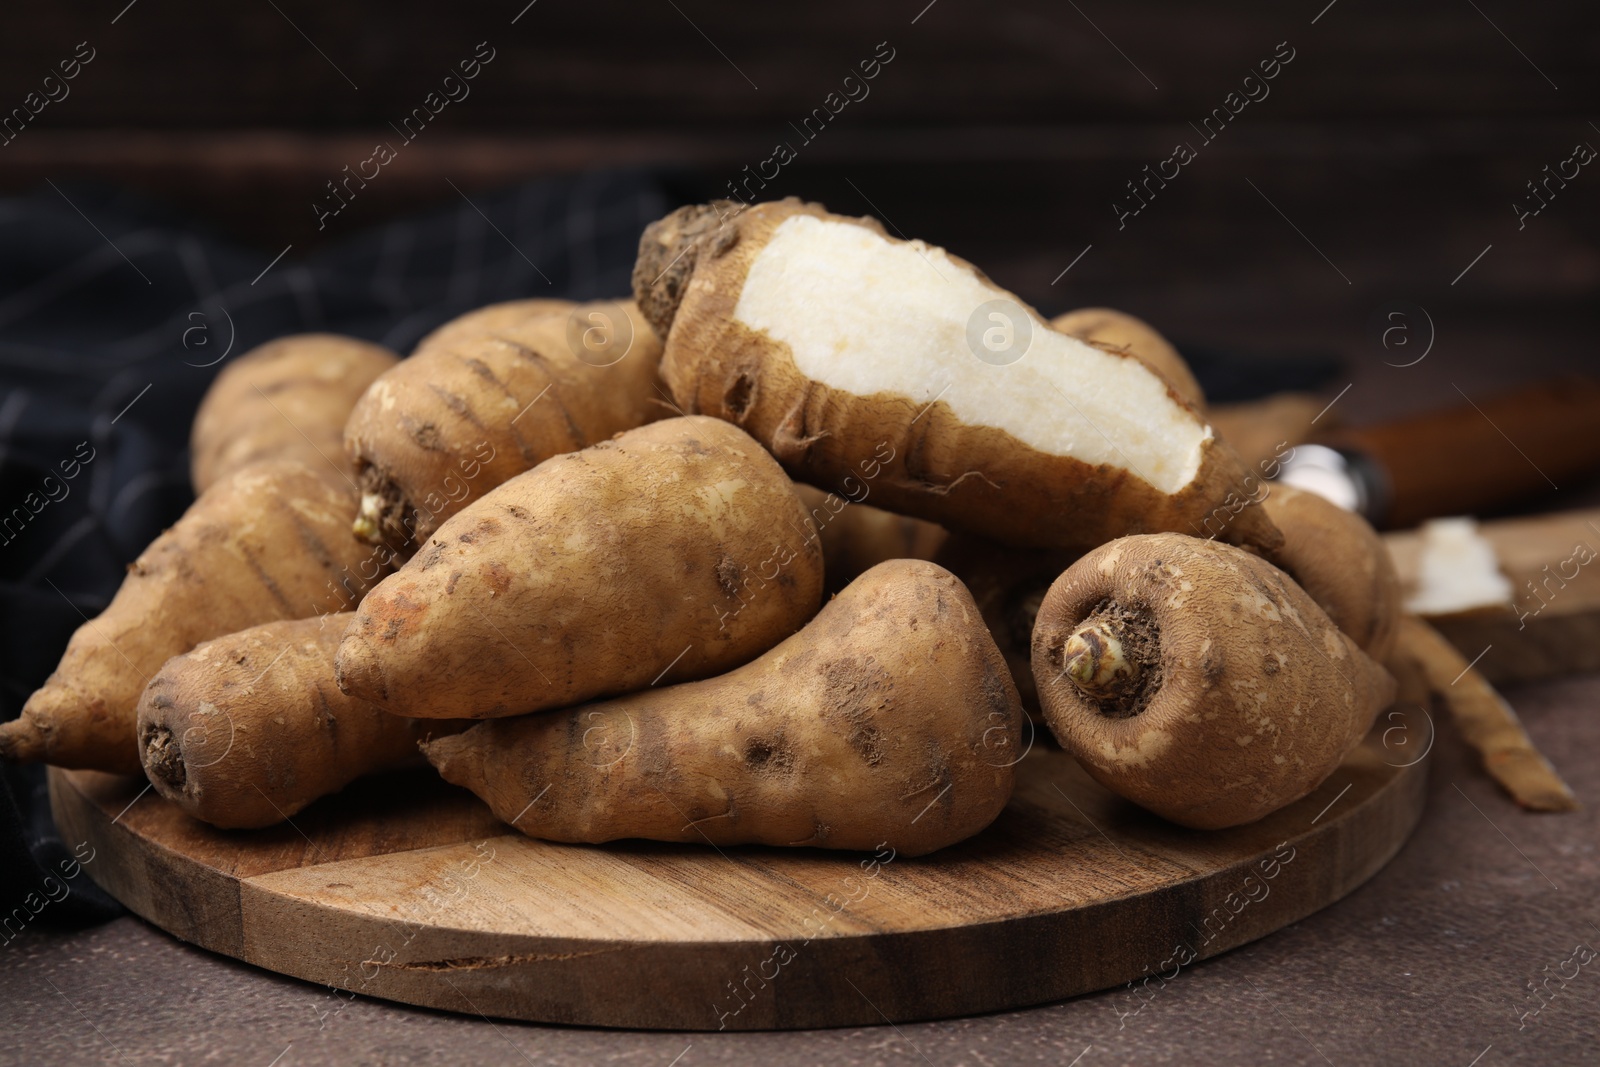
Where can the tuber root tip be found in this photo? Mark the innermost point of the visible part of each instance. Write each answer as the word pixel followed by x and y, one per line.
pixel 1094 658
pixel 368 522
pixel 457 757
pixel 384 517
pixel 356 670
pixel 21 741
pixel 668 251
pixel 162 755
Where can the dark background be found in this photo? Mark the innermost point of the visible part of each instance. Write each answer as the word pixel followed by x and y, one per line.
pixel 1384 163
pixel 1397 140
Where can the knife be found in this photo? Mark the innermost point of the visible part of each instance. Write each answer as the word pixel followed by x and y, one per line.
pixel 1465 460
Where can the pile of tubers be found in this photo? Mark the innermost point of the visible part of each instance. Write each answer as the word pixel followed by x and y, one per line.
pixel 775 552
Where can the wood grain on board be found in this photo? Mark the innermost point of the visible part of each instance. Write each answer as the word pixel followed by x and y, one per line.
pixel 408 889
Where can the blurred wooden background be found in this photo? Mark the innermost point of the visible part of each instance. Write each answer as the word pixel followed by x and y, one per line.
pixel 1387 156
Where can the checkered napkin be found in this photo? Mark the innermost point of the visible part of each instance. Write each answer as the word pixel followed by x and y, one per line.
pixel 115 315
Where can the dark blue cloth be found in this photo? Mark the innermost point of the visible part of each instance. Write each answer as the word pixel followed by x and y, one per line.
pixel 115 315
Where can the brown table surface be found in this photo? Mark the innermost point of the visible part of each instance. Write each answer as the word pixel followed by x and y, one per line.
pixel 1429 963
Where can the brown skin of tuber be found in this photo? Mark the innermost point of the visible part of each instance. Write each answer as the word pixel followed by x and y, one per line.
pixel 927 463
pixel 889 718
pixel 271 541
pixel 1483 718
pixel 1250 698
pixel 669 251
pixel 287 399
pixel 490 320
pixel 472 409
pixel 1339 559
pixel 675 551
pixel 246 730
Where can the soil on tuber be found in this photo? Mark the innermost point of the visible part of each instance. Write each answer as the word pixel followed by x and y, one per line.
pixel 674 551
pixel 271 541
pixel 1198 680
pixel 484 401
pixel 889 718
pixel 247 729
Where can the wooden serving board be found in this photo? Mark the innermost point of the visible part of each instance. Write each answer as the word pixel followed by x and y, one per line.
pixel 406 888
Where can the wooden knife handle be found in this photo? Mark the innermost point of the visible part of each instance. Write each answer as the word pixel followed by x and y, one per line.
pixel 1486 453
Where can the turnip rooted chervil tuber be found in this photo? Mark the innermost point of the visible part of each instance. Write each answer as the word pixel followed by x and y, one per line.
pixel 889 718
pixel 846 351
pixel 1199 681
pixel 670 552
pixel 286 399
pixel 488 396
pixel 246 730
pixel 1341 563
pixel 490 320
pixel 271 541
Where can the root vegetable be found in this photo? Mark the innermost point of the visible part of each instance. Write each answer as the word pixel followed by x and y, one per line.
pixel 1336 557
pixel 848 353
pixel 889 718
pixel 1486 721
pixel 1199 681
pixel 489 320
pixel 272 541
pixel 857 537
pixel 246 730
pixel 287 399
pixel 674 551
pixel 471 409
pixel 1118 329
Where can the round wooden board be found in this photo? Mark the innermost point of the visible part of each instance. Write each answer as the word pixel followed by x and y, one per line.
pixel 406 888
